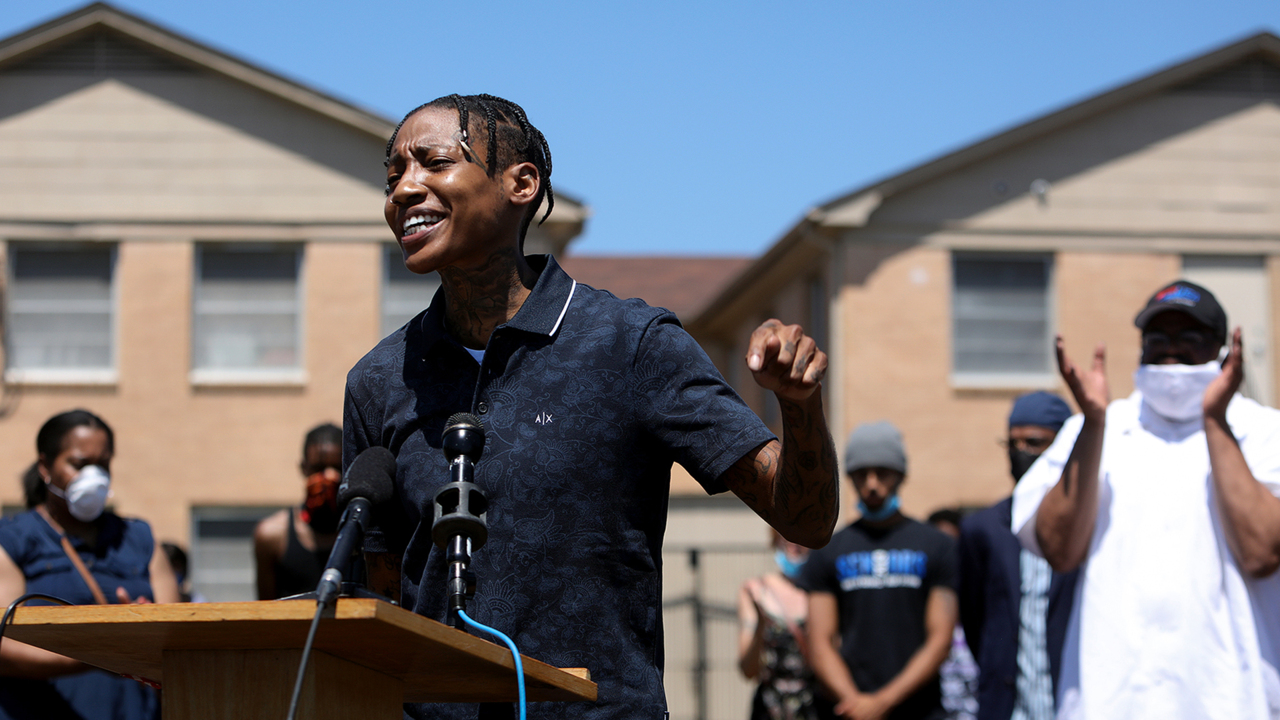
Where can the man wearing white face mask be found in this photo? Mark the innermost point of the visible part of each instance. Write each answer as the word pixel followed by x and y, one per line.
pixel 1168 501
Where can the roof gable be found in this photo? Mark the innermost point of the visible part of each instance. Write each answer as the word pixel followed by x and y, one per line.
pixel 1256 74
pixel 1171 163
pixel 130 38
pixel 1199 106
pixel 1244 67
pixel 185 94
pixel 96 51
pixel 135 156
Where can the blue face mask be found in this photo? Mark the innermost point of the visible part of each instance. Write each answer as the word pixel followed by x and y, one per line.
pixel 789 567
pixel 885 512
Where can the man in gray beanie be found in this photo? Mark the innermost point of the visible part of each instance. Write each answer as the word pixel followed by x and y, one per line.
pixel 882 603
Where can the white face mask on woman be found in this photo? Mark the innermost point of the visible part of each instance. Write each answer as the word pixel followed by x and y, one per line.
pixel 86 494
pixel 1176 392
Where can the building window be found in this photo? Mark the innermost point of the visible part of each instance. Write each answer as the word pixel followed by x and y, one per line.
pixel 61 316
pixel 247 320
pixel 221 559
pixel 404 293
pixel 1001 329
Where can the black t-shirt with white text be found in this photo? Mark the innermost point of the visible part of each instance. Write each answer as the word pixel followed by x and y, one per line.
pixel 881 578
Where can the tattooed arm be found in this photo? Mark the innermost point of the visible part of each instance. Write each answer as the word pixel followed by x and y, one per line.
pixel 793 484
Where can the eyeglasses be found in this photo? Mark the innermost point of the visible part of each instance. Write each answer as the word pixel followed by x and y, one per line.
pixel 1034 444
pixel 1156 342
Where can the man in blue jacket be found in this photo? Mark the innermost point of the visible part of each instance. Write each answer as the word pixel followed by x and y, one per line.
pixel 1013 607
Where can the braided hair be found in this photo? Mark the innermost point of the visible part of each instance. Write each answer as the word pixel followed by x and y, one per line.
pixel 512 139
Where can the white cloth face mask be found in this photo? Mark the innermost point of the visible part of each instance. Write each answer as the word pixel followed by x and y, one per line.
pixel 1176 392
pixel 86 494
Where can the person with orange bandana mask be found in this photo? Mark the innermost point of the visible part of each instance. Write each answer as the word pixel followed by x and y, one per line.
pixel 292 545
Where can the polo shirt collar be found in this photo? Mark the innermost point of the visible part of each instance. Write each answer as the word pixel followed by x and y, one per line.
pixel 543 311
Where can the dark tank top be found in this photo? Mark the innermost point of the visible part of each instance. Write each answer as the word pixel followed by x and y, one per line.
pixel 299 569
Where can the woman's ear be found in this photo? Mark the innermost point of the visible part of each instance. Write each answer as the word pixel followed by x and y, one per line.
pixel 522 182
pixel 42 467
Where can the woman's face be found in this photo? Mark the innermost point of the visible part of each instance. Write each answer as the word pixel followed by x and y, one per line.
pixel 81 447
pixel 442 206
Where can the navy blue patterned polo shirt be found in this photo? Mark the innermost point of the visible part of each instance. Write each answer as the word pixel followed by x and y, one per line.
pixel 587 400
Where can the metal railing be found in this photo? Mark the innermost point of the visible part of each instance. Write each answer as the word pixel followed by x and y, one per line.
pixel 701 623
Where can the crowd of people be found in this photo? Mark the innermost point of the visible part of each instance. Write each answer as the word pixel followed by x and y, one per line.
pixel 1131 574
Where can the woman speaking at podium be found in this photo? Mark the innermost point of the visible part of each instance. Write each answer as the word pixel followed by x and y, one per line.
pixel 70 546
pixel 586 400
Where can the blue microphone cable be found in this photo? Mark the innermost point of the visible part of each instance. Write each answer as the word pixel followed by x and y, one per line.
pixel 515 654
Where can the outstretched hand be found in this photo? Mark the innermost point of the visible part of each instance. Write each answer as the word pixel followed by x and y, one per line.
pixel 1219 393
pixel 785 360
pixel 1088 388
pixel 123 598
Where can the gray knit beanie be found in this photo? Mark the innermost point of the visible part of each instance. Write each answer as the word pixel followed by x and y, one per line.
pixel 877 444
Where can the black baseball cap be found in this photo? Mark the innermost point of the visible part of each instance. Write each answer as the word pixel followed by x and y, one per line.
pixel 1190 299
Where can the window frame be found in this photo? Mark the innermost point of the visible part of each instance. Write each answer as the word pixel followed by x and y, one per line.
pixel 254 376
pixel 211 581
pixel 108 375
pixel 1004 379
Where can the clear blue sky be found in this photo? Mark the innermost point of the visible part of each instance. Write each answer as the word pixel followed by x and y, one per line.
pixel 710 128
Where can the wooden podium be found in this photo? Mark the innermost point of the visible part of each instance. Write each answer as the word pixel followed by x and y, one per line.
pixel 236 661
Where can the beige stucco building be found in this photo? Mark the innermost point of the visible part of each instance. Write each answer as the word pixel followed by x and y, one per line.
pixel 939 291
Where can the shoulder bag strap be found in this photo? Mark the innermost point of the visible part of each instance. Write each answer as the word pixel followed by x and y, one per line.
pixel 74 556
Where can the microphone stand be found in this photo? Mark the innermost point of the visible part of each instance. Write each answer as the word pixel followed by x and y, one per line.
pixel 459 525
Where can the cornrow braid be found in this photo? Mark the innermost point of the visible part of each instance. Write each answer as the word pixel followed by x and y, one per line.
pixel 491 121
pixel 531 146
pixel 532 135
pixel 463 118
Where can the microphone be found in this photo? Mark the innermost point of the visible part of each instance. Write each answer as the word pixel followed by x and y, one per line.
pixel 370 481
pixel 459 524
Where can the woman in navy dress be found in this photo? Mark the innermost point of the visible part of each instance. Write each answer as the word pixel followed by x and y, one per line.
pixel 74 451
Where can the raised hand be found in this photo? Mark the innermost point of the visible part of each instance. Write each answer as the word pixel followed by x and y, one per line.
pixel 785 360
pixel 1088 388
pixel 1224 387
